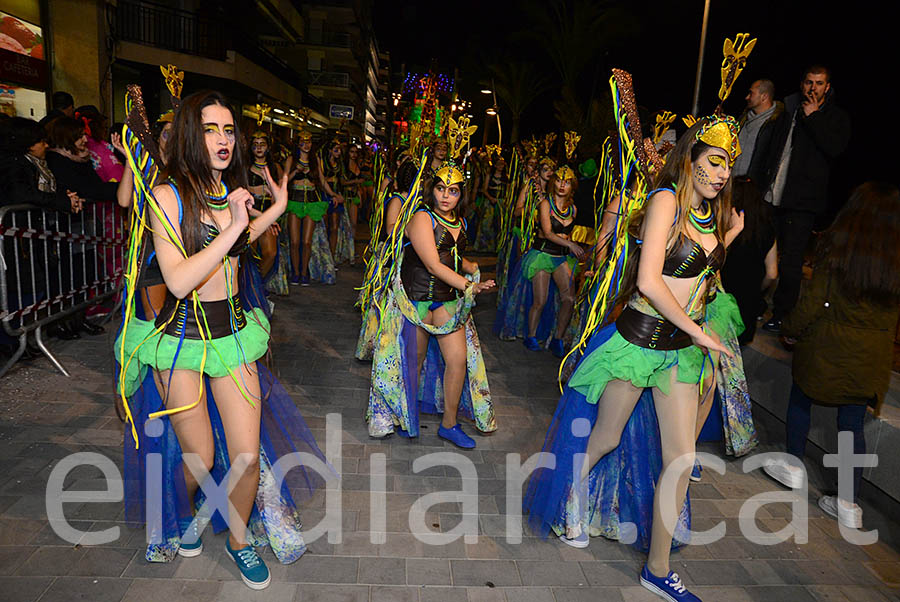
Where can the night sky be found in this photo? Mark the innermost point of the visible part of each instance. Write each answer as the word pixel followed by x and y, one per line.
pixel 658 42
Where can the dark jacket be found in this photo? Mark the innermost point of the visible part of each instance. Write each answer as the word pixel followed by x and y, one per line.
pixel 762 148
pixel 80 177
pixel 845 346
pixel 18 184
pixel 818 139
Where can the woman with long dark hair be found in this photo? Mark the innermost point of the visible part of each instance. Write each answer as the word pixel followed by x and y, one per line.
pixel 752 263
pixel 844 327
pixel 267 244
pixel 333 177
pixel 306 222
pixel 429 310
pixel 353 193
pixel 533 310
pixel 197 392
pixel 646 370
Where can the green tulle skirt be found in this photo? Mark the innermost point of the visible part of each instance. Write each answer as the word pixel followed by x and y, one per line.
pixel 537 261
pixel 618 359
pixel 146 349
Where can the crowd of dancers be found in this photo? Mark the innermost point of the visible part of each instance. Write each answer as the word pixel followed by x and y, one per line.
pixel 632 304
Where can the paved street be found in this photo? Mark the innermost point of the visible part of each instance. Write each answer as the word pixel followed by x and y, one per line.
pixel 46 416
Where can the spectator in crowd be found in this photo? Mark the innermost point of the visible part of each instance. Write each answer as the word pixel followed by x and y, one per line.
pixel 752 262
pixel 807 137
pixel 70 162
pixel 25 178
pixel 757 126
pixel 102 153
pixel 61 105
pixel 844 326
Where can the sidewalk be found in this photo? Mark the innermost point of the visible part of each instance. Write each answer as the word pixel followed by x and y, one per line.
pixel 46 416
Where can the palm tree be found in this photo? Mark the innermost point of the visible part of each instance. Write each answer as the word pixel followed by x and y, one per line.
pixel 574 34
pixel 518 84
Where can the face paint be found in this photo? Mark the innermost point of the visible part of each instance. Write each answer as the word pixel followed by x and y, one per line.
pixel 716 160
pixel 702 176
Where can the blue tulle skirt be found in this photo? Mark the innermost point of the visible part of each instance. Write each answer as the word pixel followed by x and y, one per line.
pixel 617 500
pixel 275 519
pixel 511 319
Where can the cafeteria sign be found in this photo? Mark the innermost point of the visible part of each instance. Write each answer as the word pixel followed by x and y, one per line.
pixel 341 112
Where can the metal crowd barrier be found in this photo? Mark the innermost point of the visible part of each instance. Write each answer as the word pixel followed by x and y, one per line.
pixel 53 264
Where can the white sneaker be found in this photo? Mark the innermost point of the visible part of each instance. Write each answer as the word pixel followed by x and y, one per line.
pixel 789 476
pixel 582 541
pixel 849 515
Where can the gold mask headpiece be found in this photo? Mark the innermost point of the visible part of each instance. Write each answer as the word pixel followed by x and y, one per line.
pixel 572 139
pixel 261 111
pixel 663 122
pixel 450 174
pixel 304 136
pixel 174 82
pixel 260 134
pixel 565 173
pixel 549 139
pixel 458 134
pixel 721 131
pixel 548 161
pixel 735 59
pixel 174 79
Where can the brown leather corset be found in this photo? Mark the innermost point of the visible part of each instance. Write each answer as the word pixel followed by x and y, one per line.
pixel 419 284
pixel 218 316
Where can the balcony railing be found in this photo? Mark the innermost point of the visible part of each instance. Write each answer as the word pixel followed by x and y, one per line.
pixel 336 39
pixel 170 28
pixel 329 78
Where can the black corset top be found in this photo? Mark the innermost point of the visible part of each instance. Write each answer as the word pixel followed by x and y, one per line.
pixel 421 285
pixel 689 259
pixel 239 246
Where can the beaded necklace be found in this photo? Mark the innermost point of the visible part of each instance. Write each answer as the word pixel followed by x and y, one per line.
pixel 561 216
pixel 218 200
pixel 445 222
pixel 702 218
pixel 259 166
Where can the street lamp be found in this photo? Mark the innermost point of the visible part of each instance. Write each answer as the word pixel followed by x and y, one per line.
pixel 491 111
pixel 486 91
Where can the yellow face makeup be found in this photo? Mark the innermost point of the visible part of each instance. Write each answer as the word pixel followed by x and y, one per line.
pixel 716 160
pixel 213 128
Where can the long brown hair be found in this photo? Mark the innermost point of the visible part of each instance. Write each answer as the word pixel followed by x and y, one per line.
pixel 189 165
pixel 677 174
pixel 860 249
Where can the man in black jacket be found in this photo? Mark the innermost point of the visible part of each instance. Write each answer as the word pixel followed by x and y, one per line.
pixel 808 136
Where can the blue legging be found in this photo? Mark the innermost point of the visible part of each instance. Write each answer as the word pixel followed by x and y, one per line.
pixel 849 418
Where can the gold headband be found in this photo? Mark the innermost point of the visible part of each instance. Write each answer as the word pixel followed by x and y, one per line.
pixel 450 174
pixel 565 173
pixel 260 134
pixel 304 136
pixel 721 132
pixel 548 161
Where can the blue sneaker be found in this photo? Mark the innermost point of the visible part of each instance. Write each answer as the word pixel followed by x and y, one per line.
pixel 531 343
pixel 304 281
pixel 295 280
pixel 191 544
pixel 557 348
pixel 456 436
pixel 695 473
pixel 668 588
pixel 582 541
pixel 254 572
